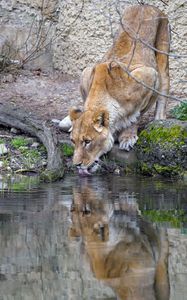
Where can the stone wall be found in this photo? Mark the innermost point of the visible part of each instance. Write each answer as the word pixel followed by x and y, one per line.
pixel 81 32
pixel 85 40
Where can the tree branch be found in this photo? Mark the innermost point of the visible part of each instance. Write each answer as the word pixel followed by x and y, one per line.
pixel 15 117
pixel 124 68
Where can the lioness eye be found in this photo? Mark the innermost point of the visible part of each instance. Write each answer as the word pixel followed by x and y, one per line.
pixel 72 141
pixel 87 142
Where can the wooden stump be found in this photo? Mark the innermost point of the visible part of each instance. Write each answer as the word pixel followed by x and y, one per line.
pixel 11 116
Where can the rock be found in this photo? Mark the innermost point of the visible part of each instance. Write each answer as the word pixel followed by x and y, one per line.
pixel 3 149
pixel 125 158
pixel 35 145
pixel 55 121
pixel 14 130
pixel 44 163
pixel 30 140
pixel 117 171
pixel 7 78
pixel 65 124
pixel 162 148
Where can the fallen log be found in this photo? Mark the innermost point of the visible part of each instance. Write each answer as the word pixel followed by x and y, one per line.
pixel 11 116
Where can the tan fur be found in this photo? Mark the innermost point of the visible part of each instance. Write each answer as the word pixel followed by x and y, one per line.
pixel 107 88
pixel 133 263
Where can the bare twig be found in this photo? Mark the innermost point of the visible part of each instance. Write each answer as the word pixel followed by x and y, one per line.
pixel 133 36
pixel 69 27
pixel 164 2
pixel 141 2
pixel 135 40
pixel 124 68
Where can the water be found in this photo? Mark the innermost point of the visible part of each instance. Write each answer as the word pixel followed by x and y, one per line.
pixel 97 238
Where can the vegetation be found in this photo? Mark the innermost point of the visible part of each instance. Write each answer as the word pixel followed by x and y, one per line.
pixel 22 156
pixel 19 183
pixel 51 176
pixel 24 183
pixel 67 150
pixel 161 149
pixel 175 218
pixel 167 170
pixel 173 136
pixel 180 111
pixel 19 142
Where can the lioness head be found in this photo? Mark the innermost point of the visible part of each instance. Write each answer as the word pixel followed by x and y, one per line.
pixel 91 137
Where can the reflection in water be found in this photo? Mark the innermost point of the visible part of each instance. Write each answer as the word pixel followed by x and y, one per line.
pixel 125 251
pixel 86 239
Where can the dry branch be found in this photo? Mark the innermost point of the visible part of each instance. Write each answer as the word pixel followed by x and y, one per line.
pixel 124 68
pixel 134 36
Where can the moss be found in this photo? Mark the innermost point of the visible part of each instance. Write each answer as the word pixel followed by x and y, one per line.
pixel 175 217
pixel 52 176
pixel 67 150
pixel 25 183
pixel 180 111
pixel 161 149
pixel 173 136
pixel 168 170
pixel 145 169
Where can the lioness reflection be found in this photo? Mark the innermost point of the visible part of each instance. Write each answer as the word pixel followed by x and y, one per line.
pixel 125 251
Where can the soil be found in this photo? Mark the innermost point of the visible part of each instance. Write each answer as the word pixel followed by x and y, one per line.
pixel 48 95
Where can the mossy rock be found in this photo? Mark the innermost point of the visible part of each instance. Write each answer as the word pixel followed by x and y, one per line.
pixel 162 148
pixel 51 175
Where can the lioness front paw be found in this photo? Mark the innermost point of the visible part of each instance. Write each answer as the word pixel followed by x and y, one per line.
pixel 128 138
pixel 127 143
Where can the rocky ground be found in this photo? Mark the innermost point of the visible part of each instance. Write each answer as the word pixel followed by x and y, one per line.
pixel 49 96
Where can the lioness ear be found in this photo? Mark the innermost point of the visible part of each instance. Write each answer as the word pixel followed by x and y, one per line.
pixel 75 113
pixel 101 119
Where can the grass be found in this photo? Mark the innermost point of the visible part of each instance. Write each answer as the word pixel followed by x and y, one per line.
pixel 176 217
pixel 67 150
pixel 180 111
pixel 19 142
pixel 29 157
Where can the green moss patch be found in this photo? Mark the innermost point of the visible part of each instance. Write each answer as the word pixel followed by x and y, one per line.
pixel 162 148
pixel 67 150
pixel 174 136
pixel 180 111
pixel 51 176
pixel 176 218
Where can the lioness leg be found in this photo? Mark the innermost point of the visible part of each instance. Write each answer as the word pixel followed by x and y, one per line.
pixel 162 44
pixel 128 137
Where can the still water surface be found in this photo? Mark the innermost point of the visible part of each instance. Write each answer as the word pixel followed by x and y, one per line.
pixel 97 238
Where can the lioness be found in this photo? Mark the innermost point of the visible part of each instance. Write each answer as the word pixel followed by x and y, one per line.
pixel 121 87
pixel 125 251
